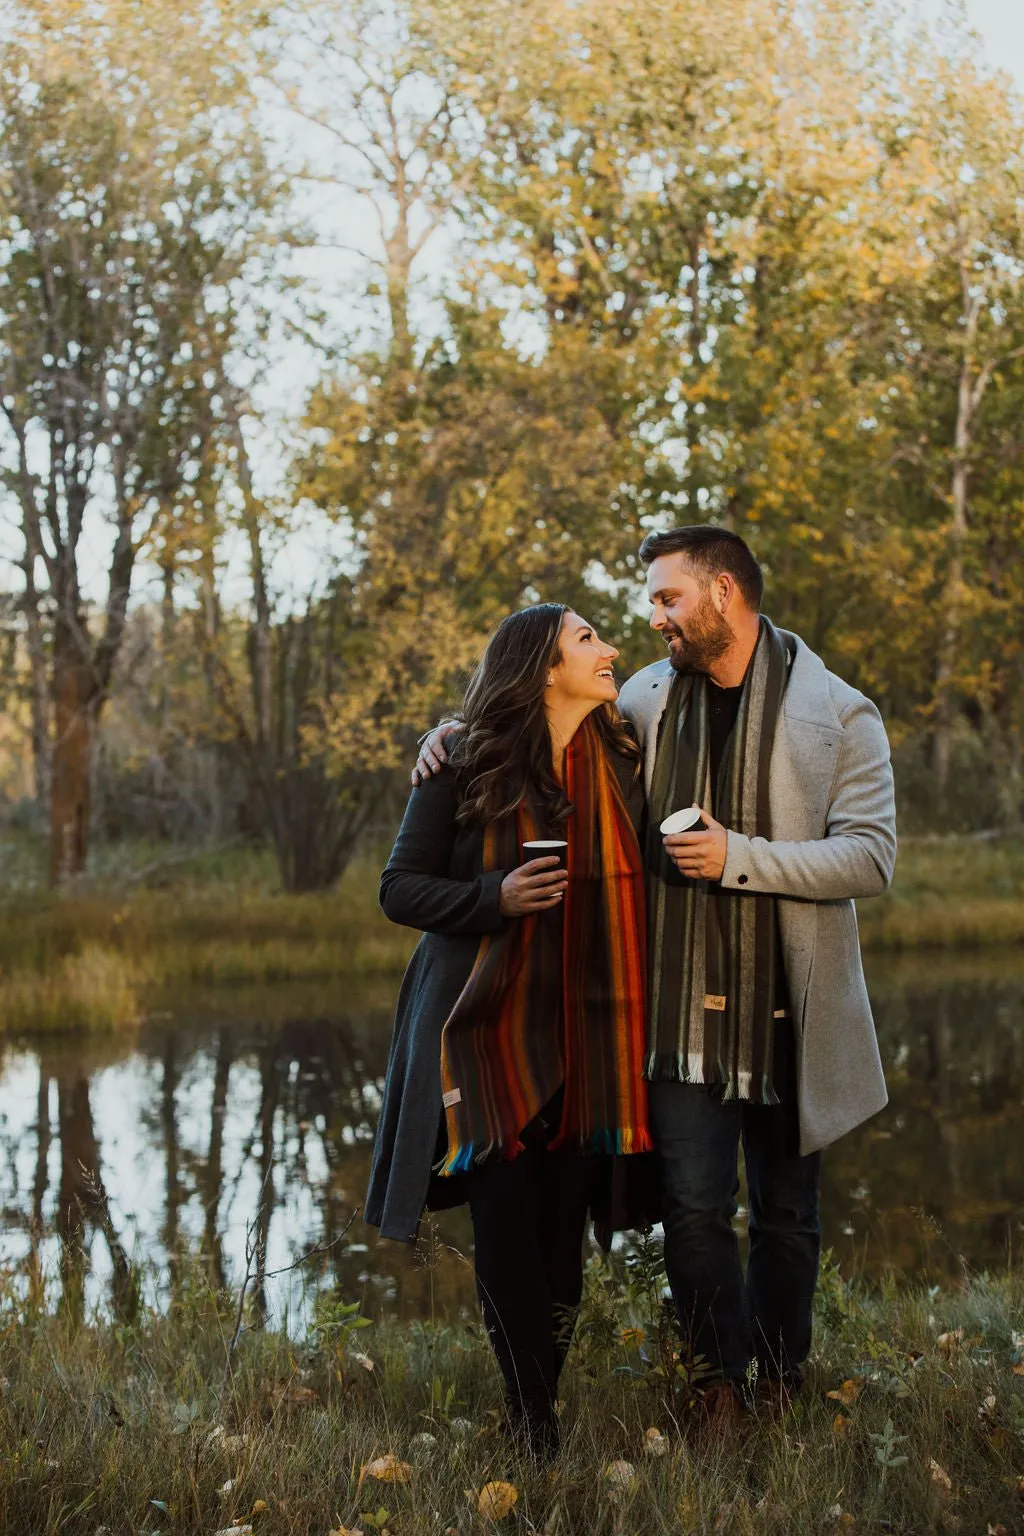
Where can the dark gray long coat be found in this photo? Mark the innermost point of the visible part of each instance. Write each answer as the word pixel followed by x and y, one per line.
pixel 434 881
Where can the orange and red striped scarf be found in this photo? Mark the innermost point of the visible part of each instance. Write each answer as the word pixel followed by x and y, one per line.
pixel 507 1045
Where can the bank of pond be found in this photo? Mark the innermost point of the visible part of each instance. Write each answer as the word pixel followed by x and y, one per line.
pixel 197 1332
pixel 111 954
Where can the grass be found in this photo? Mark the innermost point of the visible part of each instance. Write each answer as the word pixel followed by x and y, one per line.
pixel 956 891
pixel 103 958
pixel 139 1427
pixel 149 926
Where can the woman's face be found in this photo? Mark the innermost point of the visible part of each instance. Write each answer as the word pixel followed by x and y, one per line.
pixel 584 673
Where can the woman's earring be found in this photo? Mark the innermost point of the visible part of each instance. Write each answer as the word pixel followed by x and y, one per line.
pixel 551 682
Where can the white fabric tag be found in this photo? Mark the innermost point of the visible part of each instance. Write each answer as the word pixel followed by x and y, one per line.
pixel 453 1096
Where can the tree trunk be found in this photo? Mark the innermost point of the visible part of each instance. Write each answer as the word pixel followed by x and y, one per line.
pixel 41 705
pixel 169 1122
pixel 212 1176
pixel 952 592
pixel 83 1203
pixel 74 712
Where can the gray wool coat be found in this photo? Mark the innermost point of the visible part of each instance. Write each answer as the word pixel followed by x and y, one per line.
pixel 833 839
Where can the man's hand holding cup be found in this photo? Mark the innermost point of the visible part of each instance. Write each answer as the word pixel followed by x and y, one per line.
pixel 696 843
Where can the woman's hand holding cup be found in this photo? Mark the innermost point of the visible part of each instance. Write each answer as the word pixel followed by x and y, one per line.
pixel 535 886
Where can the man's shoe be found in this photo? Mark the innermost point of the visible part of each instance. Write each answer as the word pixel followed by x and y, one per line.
pixel 722 1414
pixel 774 1396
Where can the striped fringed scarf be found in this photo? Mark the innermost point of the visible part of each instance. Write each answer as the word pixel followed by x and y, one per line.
pixel 714 952
pixel 505 1049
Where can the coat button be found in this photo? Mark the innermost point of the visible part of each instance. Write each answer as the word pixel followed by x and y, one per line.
pixel 741 879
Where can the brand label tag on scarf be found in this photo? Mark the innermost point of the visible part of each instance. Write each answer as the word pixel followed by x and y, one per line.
pixel 716 1004
pixel 453 1096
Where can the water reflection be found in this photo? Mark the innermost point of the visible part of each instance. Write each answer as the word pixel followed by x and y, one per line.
pixel 233 1133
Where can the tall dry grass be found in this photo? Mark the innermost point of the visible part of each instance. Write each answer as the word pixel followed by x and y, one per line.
pixel 956 892
pixel 99 959
pixel 104 956
pixel 912 1420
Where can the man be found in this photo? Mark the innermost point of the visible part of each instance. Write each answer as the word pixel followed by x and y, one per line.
pixel 760 1027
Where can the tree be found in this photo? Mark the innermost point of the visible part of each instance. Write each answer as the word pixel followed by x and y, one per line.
pixel 133 189
pixel 958 340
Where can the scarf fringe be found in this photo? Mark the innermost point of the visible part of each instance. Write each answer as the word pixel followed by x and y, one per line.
pixel 671 1069
pixel 465 1159
pixel 623 1141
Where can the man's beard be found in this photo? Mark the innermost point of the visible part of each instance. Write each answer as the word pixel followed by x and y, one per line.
pixel 706 641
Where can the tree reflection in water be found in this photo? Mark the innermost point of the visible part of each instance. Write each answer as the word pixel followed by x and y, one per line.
pixel 127 1165
pixel 178 1149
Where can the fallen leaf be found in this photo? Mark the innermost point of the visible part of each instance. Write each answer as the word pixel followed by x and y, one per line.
pixel 365 1361
pixel 655 1443
pixel 632 1336
pixel 293 1392
pixel 344 1530
pixel 1018 1370
pixel 226 1488
pixel 235 1530
pixel 621 1475
pixel 497 1500
pixel 386 1469
pixel 939 1476
pixel 840 1424
pixel 950 1342
pixel 847 1394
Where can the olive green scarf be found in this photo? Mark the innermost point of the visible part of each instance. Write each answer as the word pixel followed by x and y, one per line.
pixel 714 952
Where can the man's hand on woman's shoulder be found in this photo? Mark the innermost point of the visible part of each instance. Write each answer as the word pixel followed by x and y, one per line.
pixel 433 756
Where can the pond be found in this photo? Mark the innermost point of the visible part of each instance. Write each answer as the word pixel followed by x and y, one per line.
pixel 230 1136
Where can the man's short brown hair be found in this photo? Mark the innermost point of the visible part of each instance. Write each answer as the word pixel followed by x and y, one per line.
pixel 710 550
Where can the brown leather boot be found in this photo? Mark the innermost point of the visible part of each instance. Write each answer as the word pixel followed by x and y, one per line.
pixel 773 1397
pixel 723 1416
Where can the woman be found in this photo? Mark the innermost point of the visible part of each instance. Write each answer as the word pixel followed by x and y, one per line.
pixel 517 1058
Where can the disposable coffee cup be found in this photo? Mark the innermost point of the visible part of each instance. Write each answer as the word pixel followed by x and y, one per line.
pixel 546 848
pixel 689 820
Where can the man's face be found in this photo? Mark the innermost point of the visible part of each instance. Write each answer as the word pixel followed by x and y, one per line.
pixel 686 615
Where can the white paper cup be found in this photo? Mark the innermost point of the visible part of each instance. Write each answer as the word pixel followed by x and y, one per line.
pixel 682 821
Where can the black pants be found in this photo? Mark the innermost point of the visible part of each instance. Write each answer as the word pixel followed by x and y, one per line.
pixel 730 1321
pixel 529 1217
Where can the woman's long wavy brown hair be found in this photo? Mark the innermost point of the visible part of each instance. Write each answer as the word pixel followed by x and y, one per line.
pixel 504 752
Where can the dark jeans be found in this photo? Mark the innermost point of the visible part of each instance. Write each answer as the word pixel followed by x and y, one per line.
pixel 729 1322
pixel 529 1217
